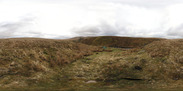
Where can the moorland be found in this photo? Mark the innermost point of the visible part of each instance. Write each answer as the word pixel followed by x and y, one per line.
pixel 86 63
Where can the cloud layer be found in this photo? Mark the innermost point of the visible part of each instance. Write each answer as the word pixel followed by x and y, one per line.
pixel 71 18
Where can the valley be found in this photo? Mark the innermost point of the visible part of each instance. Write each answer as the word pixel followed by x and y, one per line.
pixel 45 64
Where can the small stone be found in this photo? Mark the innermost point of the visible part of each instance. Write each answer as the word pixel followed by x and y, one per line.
pixel 12 63
pixel 91 81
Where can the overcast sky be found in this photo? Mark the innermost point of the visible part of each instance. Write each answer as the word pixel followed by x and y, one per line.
pixel 72 18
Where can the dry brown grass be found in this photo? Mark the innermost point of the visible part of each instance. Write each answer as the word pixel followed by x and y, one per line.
pixel 33 55
pixel 165 48
pixel 171 51
pixel 158 63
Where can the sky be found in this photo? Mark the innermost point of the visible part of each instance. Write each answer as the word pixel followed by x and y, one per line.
pixel 60 19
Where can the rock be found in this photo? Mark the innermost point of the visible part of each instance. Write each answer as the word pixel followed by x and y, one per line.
pixel 12 64
pixel 91 81
pixel 137 68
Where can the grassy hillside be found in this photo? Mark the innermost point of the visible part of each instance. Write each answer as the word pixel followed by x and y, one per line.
pixel 63 64
pixel 158 64
pixel 34 59
pixel 119 42
pixel 129 68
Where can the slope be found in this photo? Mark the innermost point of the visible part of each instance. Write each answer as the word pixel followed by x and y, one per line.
pixel 27 60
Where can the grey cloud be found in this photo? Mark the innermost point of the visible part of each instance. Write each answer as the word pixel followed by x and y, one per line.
pixel 147 3
pixel 6 34
pixel 22 28
pixel 117 1
pixel 102 29
pixel 61 37
pixel 11 26
pixel 87 31
pixel 9 29
pixel 176 32
pixel 15 29
pixel 117 30
pixel 143 3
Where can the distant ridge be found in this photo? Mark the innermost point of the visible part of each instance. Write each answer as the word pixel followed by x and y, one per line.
pixel 115 41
